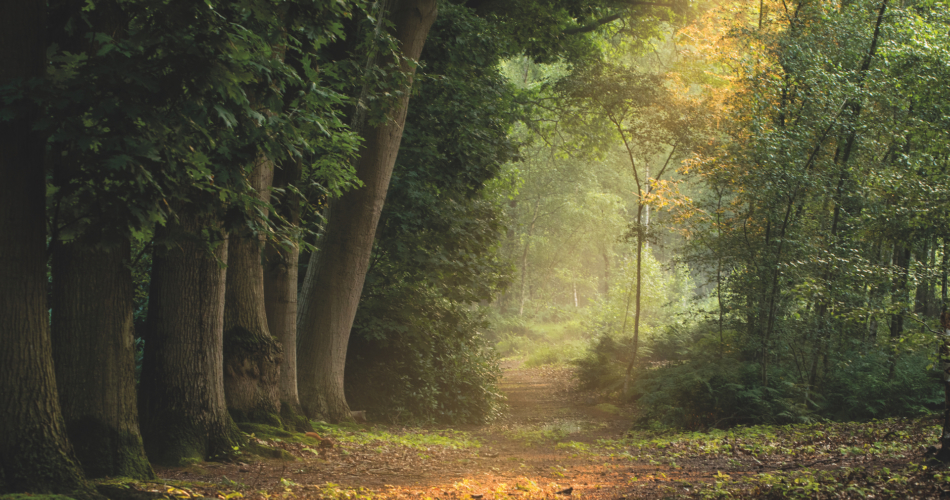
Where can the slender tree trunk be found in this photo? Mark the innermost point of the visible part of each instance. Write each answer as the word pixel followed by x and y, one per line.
pixel 636 309
pixel 95 357
pixel 334 281
pixel 35 455
pixel 902 262
pixel 280 298
pixel 524 275
pixel 252 356
pixel 182 406
pixel 606 275
pixel 926 296
pixel 943 275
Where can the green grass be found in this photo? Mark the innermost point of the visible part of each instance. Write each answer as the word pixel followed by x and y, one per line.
pixel 419 439
pixel 541 343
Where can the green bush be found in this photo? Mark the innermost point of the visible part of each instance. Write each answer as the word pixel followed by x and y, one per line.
pixel 689 378
pixel 553 354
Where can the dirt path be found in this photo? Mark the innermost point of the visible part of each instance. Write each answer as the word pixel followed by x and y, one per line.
pixel 551 444
pixel 537 447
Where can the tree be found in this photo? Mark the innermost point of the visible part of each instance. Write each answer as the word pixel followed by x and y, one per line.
pixel 280 293
pixel 252 356
pixel 34 451
pixel 95 356
pixel 416 351
pixel 336 273
pixel 184 415
pixel 652 128
pixel 91 292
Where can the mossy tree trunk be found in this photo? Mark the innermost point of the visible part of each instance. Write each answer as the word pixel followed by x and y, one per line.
pixel 95 357
pixel 35 455
pixel 182 406
pixel 336 273
pixel 280 296
pixel 252 356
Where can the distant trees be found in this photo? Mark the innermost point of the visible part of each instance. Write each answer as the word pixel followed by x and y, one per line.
pixel 815 215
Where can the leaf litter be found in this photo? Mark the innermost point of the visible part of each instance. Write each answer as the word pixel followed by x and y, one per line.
pixel 557 443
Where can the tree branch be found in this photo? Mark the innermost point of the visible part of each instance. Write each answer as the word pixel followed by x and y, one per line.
pixel 587 28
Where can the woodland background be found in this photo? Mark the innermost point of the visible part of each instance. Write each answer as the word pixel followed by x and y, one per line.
pixel 731 212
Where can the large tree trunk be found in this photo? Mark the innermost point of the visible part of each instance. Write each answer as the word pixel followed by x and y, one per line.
pixel 334 281
pixel 95 357
pixel 182 406
pixel 34 452
pixel 252 356
pixel 280 297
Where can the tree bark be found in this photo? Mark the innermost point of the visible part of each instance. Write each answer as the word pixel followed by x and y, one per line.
pixel 280 298
pixel 252 356
pixel 35 454
pixel 336 273
pixel 182 404
pixel 94 357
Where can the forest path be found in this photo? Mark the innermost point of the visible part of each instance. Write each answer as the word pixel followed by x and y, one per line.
pixel 551 442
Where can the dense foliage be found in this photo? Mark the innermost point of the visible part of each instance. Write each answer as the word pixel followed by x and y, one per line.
pixel 813 226
pixel 416 348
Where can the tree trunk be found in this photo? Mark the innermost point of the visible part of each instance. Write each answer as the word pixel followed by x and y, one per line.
pixel 943 275
pixel 636 310
pixel 95 357
pixel 35 454
pixel 944 364
pixel 280 298
pixel 524 275
pixel 902 262
pixel 336 274
pixel 900 296
pixel 182 404
pixel 252 356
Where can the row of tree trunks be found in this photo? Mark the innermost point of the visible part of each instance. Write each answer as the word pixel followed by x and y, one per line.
pixel 193 300
pixel 35 454
pixel 336 273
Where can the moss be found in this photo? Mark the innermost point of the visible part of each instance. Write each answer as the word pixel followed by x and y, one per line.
pixel 294 420
pixel 180 445
pixel 176 446
pixel 31 496
pixel 263 430
pixel 268 452
pixel 126 492
pixel 104 451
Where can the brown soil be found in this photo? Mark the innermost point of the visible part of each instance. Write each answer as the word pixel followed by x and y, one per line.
pixel 535 451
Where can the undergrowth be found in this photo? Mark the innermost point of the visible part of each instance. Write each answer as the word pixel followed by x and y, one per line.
pixel 692 380
pixel 417 439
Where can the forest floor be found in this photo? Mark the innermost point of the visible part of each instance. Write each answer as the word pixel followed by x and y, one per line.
pixel 557 443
